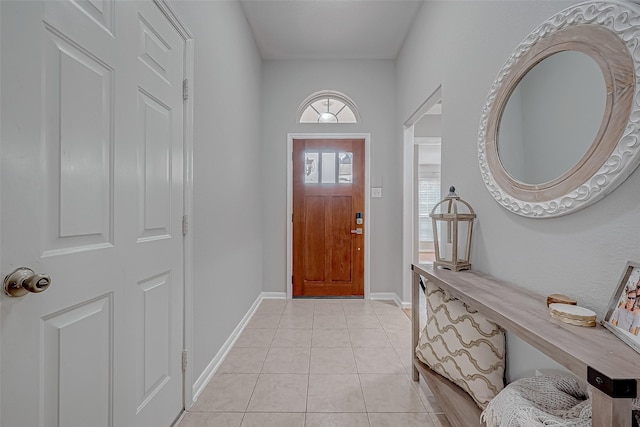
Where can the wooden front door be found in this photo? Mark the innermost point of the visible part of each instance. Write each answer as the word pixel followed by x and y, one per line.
pixel 328 217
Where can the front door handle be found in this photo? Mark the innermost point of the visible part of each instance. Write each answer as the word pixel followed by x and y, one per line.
pixel 357 231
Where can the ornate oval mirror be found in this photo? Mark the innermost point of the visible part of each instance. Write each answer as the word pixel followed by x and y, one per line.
pixel 560 126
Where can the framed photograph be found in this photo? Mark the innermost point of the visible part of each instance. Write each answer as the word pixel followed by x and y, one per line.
pixel 623 315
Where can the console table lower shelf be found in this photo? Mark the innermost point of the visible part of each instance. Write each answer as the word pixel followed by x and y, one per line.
pixel 592 354
pixel 459 407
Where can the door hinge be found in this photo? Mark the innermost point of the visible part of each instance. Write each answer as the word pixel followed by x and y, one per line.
pixel 184 361
pixel 185 225
pixel 185 89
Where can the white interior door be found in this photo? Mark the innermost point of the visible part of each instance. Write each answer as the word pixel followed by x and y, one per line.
pixel 155 278
pixel 92 195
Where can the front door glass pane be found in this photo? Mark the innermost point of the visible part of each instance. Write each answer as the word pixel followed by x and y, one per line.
pixel 328 168
pixel 345 160
pixel 311 168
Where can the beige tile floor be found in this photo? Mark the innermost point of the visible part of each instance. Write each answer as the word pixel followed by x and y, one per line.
pixel 319 363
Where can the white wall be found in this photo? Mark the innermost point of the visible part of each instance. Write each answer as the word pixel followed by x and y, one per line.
pixel 463 45
pixel 227 160
pixel 428 125
pixel 370 84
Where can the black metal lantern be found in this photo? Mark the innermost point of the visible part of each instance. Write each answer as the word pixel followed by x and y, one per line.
pixel 452 229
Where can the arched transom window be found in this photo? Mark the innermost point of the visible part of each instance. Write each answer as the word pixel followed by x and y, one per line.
pixel 328 107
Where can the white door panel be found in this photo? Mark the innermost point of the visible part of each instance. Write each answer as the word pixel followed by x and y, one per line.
pixel 78 147
pixel 158 272
pixel 78 353
pixel 154 158
pixel 99 11
pixel 92 194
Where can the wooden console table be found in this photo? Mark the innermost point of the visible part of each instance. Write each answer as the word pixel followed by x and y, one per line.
pixel 610 366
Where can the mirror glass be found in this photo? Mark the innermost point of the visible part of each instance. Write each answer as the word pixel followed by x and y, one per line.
pixel 552 117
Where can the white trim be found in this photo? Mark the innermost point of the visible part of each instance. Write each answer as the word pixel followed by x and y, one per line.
pixel 189 55
pixel 405 305
pixel 188 239
pixel 424 107
pixel 387 296
pixel 217 360
pixel 178 420
pixel 427 140
pixel 408 252
pixel 409 191
pixel 367 200
pixel 274 295
pixel 175 20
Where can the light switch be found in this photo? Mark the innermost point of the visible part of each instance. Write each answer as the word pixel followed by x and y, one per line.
pixel 376 192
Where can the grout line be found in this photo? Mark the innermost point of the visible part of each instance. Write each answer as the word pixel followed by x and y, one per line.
pixel 366 409
pixel 368 416
pixel 306 400
pixel 245 412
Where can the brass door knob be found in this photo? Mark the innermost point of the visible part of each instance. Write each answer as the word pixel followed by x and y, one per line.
pixel 23 280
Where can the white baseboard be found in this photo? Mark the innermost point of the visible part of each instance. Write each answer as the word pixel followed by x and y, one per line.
pixel 387 296
pixel 213 366
pixel 405 305
pixel 274 295
pixel 176 423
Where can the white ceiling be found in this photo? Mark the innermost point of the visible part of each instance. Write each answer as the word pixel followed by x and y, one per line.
pixel 330 29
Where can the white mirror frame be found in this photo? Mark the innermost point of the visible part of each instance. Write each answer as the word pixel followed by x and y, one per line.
pixel 609 32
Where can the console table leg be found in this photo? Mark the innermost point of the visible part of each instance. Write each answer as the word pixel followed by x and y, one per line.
pixel 415 322
pixel 415 374
pixel 610 412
